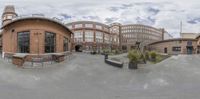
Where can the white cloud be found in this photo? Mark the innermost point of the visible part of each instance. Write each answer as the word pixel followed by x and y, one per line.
pixel 159 13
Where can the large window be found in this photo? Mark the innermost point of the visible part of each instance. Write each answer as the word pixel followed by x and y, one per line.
pixel 23 39
pixel 65 44
pixel 99 37
pixel 50 42
pixel 106 38
pixel 78 36
pixel 98 27
pixel 89 36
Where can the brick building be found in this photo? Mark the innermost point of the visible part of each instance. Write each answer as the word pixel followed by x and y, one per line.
pixel 89 35
pixel 34 34
pixel 113 36
pixel 176 46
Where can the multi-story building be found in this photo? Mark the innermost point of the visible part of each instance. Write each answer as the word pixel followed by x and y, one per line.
pixel 90 35
pixel 139 33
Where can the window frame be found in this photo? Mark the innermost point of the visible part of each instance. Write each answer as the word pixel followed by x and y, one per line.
pixel 50 46
pixel 23 40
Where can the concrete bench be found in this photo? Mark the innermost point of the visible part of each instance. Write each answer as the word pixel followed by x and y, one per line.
pixel 114 63
pixel 58 57
pixel 18 59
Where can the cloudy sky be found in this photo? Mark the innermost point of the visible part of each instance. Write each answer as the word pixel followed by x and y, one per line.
pixel 158 13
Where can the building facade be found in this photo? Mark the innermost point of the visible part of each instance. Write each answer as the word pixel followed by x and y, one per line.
pixel 175 46
pixel 33 34
pixel 90 35
pixel 198 44
pixel 113 36
pixel 139 33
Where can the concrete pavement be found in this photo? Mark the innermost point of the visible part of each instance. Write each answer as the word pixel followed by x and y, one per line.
pixel 88 77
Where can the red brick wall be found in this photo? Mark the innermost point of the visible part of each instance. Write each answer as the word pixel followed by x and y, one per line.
pixel 37 30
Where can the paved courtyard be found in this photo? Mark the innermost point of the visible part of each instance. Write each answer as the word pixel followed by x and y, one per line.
pixel 88 77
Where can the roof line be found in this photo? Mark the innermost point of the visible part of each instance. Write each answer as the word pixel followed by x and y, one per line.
pixel 41 18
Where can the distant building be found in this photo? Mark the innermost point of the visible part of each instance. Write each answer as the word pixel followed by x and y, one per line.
pixel 189 35
pixel 189 43
pixel 91 35
pixel 139 33
pixel 175 46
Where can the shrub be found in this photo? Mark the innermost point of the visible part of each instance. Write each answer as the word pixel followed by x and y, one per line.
pixel 133 56
pixel 153 55
pixel 106 51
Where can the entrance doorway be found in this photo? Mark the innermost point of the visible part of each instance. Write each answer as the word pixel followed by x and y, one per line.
pixel 78 48
pixel 189 49
pixel 165 50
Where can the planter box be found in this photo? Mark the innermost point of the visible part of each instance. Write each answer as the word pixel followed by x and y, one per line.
pixel 132 65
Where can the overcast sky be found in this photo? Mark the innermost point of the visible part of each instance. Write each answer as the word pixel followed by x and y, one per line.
pixel 158 13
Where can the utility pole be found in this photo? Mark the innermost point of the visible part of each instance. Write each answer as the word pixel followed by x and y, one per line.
pixel 181 27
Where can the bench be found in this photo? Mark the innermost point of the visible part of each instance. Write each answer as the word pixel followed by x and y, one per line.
pixel 58 57
pixel 18 59
pixel 114 63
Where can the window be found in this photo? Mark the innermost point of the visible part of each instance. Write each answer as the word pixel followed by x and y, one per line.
pixel 78 26
pixel 78 36
pixel 50 42
pixel 99 36
pixel 176 48
pixel 9 17
pixel 65 44
pixel 89 25
pixel 98 27
pixel 89 36
pixel 23 39
pixel 106 38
